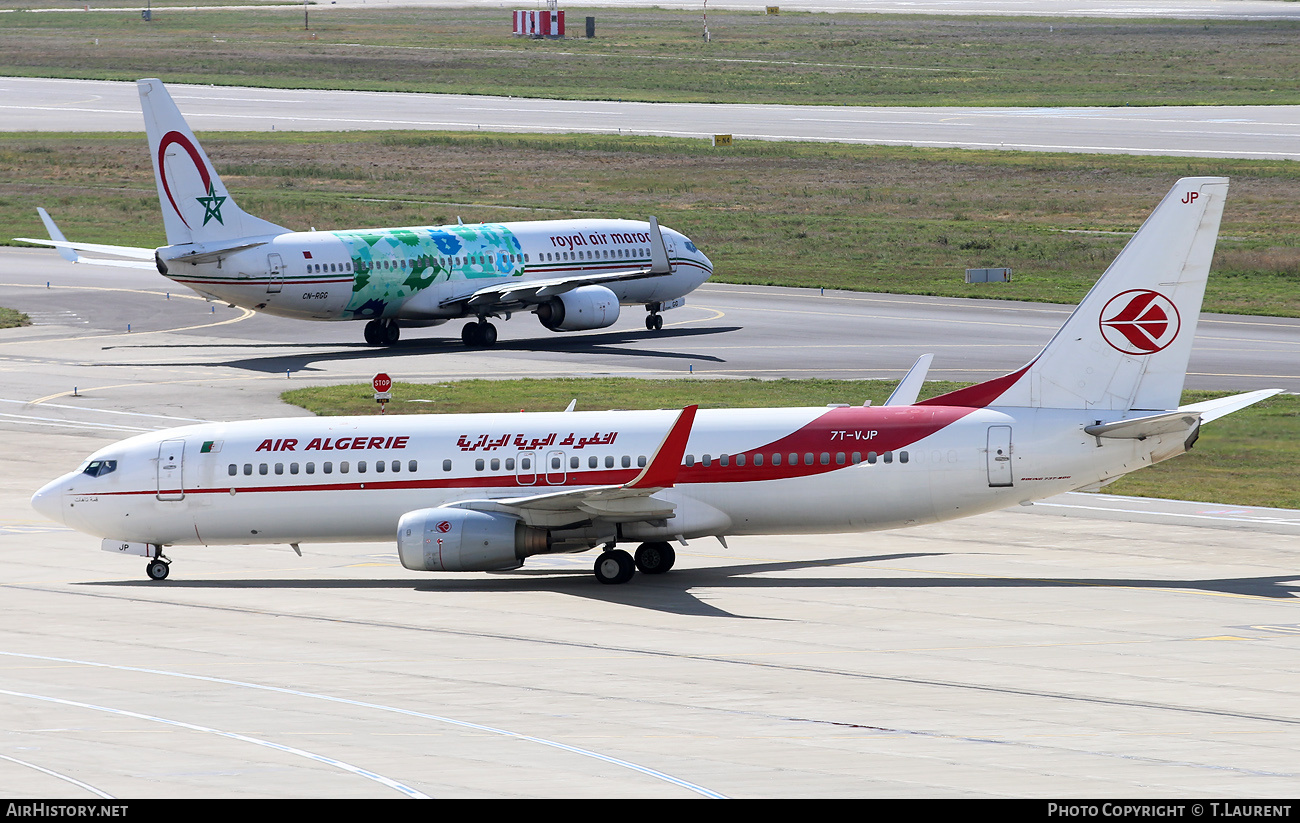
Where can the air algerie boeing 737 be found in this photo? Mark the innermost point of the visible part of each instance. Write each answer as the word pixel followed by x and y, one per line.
pixel 483 492
pixel 573 274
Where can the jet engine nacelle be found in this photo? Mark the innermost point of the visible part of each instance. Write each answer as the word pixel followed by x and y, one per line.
pixel 461 540
pixel 586 307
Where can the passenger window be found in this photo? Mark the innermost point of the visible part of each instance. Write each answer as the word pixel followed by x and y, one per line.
pixel 902 457
pixel 234 470
pixel 343 467
pixel 640 461
pixel 410 467
pixel 826 458
pixel 495 465
pixel 857 458
pixel 758 459
pixel 593 462
pixel 478 465
pixel 379 465
pixel 575 462
pixel 889 457
pixel 740 460
pixel 446 465
pixel 627 461
pixel 311 468
pixel 293 468
pixel 248 468
pixel 839 458
pixel 609 461
pixel 776 459
pixel 279 468
pixel 510 464
pixel 262 468
pixel 871 458
pixel 361 467
pixel 327 467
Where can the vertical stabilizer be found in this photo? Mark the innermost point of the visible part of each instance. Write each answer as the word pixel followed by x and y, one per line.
pixel 196 207
pixel 1126 346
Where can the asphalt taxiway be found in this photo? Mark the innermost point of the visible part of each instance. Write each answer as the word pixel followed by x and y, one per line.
pixel 42 104
pixel 1092 646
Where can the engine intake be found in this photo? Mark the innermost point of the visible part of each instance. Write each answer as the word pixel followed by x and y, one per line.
pixel 583 308
pixel 460 540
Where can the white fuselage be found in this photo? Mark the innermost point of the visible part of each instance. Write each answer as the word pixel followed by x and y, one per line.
pixel 755 471
pixel 410 274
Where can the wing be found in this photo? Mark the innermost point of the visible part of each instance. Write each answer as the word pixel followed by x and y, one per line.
pixel 68 251
pixel 514 295
pixel 630 502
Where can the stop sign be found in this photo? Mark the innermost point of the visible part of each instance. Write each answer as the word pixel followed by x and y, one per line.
pixel 382 383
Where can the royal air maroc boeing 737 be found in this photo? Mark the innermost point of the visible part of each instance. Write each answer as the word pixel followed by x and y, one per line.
pixel 573 274
pixel 476 492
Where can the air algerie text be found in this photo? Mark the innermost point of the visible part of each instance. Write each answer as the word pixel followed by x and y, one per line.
pixel 290 444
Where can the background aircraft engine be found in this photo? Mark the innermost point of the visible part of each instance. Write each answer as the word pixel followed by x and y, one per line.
pixel 460 540
pixel 586 307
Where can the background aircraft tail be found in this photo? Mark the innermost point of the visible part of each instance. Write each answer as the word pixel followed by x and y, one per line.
pixel 1127 344
pixel 195 204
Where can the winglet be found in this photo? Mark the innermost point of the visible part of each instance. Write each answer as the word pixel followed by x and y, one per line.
pixel 910 386
pixel 659 263
pixel 661 472
pixel 66 253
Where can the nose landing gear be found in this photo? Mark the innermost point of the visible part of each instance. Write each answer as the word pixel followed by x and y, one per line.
pixel 159 566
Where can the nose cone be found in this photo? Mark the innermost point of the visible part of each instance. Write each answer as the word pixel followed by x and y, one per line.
pixel 49 500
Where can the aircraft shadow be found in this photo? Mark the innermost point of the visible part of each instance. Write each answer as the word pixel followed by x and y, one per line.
pixel 672 593
pixel 596 344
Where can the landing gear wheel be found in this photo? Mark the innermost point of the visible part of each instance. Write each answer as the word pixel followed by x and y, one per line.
pixel 614 566
pixel 157 569
pixel 655 558
pixel 389 333
pixel 374 333
pixel 479 335
pixel 654 322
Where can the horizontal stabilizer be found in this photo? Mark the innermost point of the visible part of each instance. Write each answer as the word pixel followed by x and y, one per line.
pixel 1140 428
pixel 208 252
pixel 1214 409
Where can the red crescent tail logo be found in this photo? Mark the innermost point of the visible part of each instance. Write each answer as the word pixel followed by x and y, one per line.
pixel 185 143
pixel 1139 321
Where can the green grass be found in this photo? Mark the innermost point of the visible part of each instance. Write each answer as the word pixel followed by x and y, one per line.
pixel 10 318
pixel 1248 458
pixel 864 218
pixel 659 55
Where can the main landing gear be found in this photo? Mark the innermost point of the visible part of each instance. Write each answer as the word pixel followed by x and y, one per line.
pixel 382 332
pixel 480 335
pixel 617 566
pixel 654 321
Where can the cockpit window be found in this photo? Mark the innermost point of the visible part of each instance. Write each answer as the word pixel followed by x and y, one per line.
pixel 691 246
pixel 99 468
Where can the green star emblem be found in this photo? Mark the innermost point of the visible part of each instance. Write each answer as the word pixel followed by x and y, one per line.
pixel 212 205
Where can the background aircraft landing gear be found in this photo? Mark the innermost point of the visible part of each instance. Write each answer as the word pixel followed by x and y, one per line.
pixel 382 332
pixel 654 321
pixel 655 558
pixel 479 335
pixel 614 566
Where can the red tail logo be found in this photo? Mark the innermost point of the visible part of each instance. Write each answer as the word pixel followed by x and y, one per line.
pixel 1139 321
